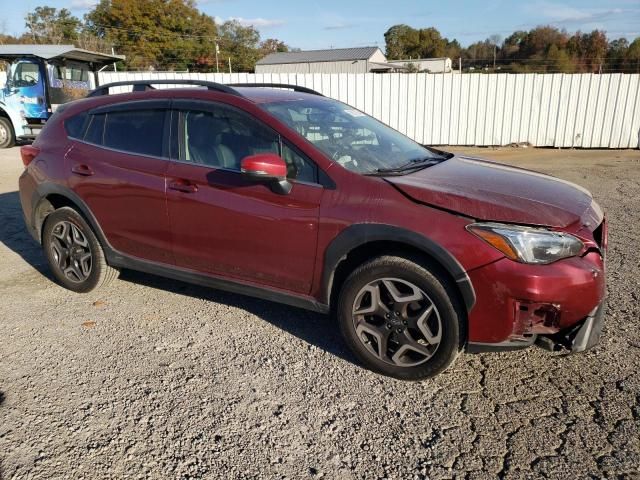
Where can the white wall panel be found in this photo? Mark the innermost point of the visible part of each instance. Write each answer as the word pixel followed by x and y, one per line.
pixel 547 110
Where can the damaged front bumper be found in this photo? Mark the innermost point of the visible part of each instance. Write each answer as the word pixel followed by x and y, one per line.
pixel 577 338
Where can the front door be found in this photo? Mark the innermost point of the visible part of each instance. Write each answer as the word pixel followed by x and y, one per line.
pixel 25 90
pixel 225 225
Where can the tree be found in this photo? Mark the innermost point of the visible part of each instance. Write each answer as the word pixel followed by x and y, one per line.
pixel 453 49
pixel 633 56
pixel 156 34
pixel 400 39
pixel 50 25
pixel 617 54
pixel 404 42
pixel 558 60
pixel 511 45
pixel 273 45
pixel 240 43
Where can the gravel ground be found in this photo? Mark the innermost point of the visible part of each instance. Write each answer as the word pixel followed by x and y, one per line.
pixel 155 378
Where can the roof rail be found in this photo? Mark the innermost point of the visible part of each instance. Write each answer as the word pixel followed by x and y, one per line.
pixel 143 85
pixel 295 88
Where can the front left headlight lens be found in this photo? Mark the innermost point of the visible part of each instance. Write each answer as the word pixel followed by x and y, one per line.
pixel 528 244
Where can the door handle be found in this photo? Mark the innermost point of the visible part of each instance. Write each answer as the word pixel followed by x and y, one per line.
pixel 83 170
pixel 183 186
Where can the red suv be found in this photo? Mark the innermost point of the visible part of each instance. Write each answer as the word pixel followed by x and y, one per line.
pixel 281 193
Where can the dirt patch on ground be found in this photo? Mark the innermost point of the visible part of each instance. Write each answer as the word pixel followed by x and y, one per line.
pixel 156 378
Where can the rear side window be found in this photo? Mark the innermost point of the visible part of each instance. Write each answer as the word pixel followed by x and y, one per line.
pixel 135 131
pixel 75 125
pixel 95 132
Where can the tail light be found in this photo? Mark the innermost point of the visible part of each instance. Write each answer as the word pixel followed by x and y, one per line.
pixel 28 153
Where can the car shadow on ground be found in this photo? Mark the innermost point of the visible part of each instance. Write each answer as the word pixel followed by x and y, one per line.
pixel 315 329
pixel 14 234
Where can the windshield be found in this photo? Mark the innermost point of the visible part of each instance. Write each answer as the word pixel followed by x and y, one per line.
pixel 353 139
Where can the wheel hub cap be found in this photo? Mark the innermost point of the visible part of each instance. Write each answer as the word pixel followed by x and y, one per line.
pixel 397 322
pixel 71 252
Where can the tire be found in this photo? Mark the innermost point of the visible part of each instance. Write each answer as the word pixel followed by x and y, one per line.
pixel 414 331
pixel 74 253
pixel 7 135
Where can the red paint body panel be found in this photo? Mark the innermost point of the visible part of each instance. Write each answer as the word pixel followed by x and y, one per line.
pixel 491 191
pixel 266 164
pixel 576 284
pixel 217 222
pixel 232 227
pixel 126 193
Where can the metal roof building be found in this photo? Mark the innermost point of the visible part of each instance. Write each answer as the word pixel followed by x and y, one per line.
pixel 337 60
pixel 57 52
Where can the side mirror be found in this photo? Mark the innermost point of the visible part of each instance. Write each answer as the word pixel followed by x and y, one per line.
pixel 267 168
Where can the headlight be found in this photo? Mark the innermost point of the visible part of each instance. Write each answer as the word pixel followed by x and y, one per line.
pixel 527 244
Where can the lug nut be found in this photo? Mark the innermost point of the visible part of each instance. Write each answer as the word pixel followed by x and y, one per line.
pixel 399 330
pixel 389 326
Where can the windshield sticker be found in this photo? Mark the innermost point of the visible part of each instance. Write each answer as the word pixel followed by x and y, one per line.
pixel 354 113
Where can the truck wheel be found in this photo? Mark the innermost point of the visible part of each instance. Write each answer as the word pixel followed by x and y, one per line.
pixel 400 319
pixel 7 136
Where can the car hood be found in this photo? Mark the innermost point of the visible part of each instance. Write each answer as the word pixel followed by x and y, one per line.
pixel 490 191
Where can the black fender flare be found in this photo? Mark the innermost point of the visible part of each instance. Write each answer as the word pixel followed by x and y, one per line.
pixel 358 235
pixel 37 221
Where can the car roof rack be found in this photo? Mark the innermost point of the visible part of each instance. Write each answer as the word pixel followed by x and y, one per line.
pixel 295 88
pixel 144 85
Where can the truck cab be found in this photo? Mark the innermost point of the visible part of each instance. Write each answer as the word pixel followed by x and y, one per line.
pixel 39 78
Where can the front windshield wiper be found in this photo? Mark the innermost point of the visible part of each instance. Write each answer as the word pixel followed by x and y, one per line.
pixel 414 164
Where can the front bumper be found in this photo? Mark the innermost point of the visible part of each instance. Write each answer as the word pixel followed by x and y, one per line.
pixel 579 338
pixel 518 303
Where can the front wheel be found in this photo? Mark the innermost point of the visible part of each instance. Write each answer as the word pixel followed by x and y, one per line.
pixel 400 319
pixel 7 135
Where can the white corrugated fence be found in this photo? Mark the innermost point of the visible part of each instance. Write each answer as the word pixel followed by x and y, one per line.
pixel 546 110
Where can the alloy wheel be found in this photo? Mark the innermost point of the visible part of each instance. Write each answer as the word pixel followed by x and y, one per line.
pixel 397 322
pixel 71 251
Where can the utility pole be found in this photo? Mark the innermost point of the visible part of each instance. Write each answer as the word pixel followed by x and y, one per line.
pixel 217 51
pixel 229 64
pixel 460 64
pixel 113 52
pixel 495 49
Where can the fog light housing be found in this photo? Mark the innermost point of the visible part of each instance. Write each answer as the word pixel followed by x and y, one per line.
pixel 535 318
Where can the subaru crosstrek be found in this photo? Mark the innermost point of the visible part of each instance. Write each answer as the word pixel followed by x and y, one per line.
pixel 289 196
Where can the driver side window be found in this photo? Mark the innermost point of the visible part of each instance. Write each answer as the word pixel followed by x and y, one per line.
pixel 26 74
pixel 222 137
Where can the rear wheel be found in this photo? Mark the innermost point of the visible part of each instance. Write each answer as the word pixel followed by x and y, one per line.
pixel 7 135
pixel 74 253
pixel 399 318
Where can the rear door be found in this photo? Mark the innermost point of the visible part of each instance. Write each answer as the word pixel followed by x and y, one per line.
pixel 118 168
pixel 225 225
